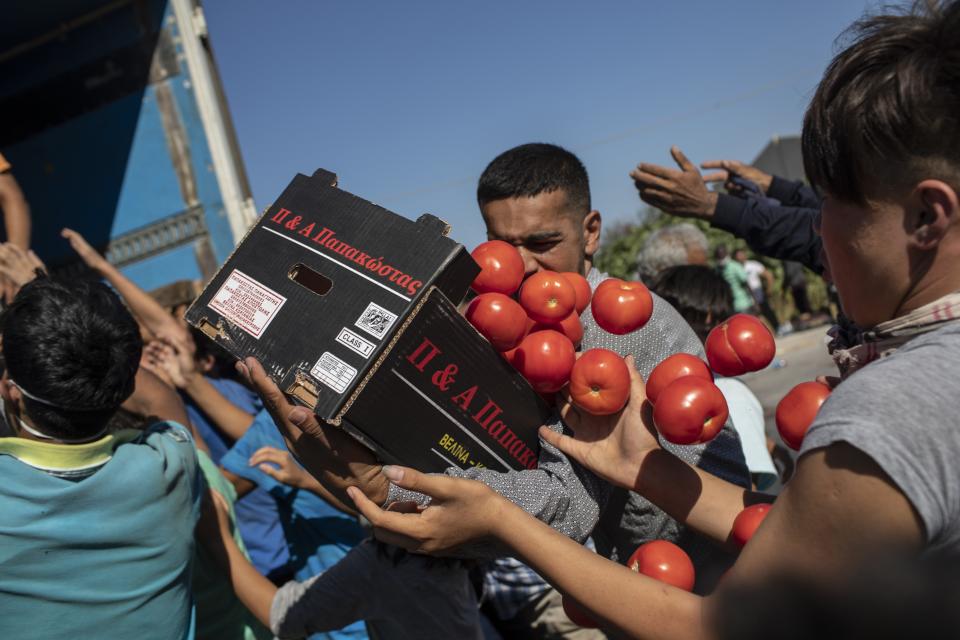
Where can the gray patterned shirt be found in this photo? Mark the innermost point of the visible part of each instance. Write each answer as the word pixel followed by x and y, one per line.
pixel 575 502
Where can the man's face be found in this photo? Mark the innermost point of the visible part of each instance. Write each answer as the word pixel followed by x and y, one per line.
pixel 740 256
pixel 865 254
pixel 547 235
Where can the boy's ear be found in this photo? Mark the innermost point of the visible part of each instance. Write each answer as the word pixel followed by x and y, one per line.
pixel 939 209
pixel 591 233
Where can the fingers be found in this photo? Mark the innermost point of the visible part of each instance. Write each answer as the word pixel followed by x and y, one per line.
pixel 436 486
pixel 645 179
pixel 269 454
pixel 35 261
pixel 391 527
pixel 716 176
pixel 638 388
pixel 682 161
pixel 655 170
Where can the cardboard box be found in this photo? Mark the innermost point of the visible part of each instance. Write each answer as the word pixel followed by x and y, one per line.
pixel 351 309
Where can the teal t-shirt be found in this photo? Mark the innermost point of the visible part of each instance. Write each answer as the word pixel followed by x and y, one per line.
pixel 96 540
pixel 736 277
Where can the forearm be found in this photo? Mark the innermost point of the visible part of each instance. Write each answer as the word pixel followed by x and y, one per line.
pixel 160 322
pixel 16 212
pixel 785 233
pixel 315 487
pixel 231 419
pixel 637 605
pixel 691 496
pixel 560 493
pixel 252 589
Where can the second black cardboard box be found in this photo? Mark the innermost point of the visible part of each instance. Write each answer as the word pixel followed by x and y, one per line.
pixel 351 310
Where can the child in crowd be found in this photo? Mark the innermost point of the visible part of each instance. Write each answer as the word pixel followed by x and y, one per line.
pixel 96 537
pixel 219 409
pixel 399 595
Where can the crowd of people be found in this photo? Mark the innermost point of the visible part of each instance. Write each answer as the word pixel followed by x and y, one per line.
pixel 154 488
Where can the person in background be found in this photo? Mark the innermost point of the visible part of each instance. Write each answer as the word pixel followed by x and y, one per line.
pixel 760 282
pixel 736 277
pixel 703 298
pixel 667 247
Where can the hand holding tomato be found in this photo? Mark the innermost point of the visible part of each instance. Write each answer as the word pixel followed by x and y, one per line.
pixel 739 345
pixel 600 382
pixel 499 319
pixel 613 446
pixel 620 307
pixel 501 268
pixel 797 410
pixel 676 366
pixel 747 522
pixel 664 561
pixel 690 410
pixel 547 297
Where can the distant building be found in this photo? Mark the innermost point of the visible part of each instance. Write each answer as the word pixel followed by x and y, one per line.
pixel 782 157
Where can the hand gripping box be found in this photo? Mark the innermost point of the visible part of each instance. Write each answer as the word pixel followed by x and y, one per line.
pixel 351 309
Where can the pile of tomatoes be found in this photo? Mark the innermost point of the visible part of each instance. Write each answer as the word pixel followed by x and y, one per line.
pixel 535 324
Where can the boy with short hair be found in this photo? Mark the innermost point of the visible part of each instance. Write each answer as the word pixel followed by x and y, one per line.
pixel 96 537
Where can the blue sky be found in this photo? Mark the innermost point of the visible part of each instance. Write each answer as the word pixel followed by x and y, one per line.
pixel 409 101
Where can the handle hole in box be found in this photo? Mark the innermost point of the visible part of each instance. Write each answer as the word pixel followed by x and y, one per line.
pixel 310 279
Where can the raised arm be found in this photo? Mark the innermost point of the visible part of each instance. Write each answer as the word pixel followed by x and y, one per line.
pixel 147 310
pixel 16 211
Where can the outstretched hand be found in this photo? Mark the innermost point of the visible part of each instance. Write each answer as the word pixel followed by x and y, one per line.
pixel 79 244
pixel 614 446
pixel 460 512
pixel 280 466
pixel 17 268
pixel 679 192
pixel 330 455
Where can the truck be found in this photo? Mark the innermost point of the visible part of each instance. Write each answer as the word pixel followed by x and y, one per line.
pixel 114 119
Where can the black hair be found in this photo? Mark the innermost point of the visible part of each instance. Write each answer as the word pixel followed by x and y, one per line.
pixel 531 169
pixel 698 293
pixel 74 345
pixel 887 111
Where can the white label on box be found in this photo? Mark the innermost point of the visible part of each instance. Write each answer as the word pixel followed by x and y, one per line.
pixel 333 372
pixel 376 320
pixel 355 343
pixel 247 303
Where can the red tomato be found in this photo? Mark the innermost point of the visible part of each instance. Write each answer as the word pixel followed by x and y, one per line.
pixel 797 409
pixel 569 326
pixel 739 345
pixel 747 521
pixel 577 615
pixel 676 366
pixel 545 359
pixel 501 267
pixel 690 410
pixel 620 307
pixel 499 319
pixel 600 382
pixel 581 287
pixel 664 561
pixel 547 297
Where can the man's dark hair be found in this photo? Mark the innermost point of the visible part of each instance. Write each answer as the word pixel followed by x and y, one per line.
pixel 531 169
pixel 73 345
pixel 698 293
pixel 887 112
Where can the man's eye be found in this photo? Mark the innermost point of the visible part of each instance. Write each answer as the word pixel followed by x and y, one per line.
pixel 542 247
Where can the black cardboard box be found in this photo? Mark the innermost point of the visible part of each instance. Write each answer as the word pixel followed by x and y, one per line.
pixel 351 310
